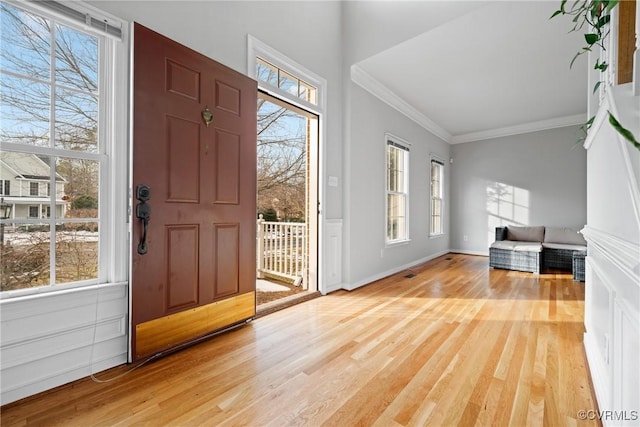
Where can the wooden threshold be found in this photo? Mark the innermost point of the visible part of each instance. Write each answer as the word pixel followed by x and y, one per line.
pixel 457 344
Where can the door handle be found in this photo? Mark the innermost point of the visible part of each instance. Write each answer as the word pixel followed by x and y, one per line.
pixel 143 212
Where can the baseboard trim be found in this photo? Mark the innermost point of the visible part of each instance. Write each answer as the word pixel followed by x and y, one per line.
pixel 333 288
pixel 466 252
pixel 371 279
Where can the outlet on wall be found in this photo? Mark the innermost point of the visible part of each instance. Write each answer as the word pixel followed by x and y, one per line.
pixel 382 253
pixel 465 238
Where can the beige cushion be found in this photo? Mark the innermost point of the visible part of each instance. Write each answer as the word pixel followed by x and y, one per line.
pixel 510 245
pixel 564 235
pixel 525 234
pixel 564 246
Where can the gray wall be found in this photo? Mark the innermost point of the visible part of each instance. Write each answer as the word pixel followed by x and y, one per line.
pixel 537 178
pixel 367 258
pixel 219 30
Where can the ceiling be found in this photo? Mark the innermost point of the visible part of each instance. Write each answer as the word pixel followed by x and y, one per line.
pixel 497 68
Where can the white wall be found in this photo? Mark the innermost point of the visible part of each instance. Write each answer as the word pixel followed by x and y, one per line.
pixel 545 171
pixel 612 292
pixel 367 257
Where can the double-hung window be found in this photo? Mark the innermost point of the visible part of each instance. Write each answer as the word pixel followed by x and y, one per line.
pixel 397 190
pixel 57 124
pixel 437 200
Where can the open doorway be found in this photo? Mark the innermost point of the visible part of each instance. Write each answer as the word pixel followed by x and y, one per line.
pixel 287 198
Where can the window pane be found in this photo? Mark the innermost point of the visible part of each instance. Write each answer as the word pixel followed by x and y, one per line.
pixel 25 47
pixel 77 188
pixel 76 59
pixel 76 252
pixel 400 181
pixel 25 176
pixel 24 111
pixel 396 228
pixel 288 83
pixel 266 72
pixel 307 92
pixel 76 121
pixel 25 256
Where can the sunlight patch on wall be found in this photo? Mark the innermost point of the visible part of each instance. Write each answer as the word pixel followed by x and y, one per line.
pixel 506 205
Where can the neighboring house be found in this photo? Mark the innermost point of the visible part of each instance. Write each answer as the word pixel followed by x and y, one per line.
pixel 25 184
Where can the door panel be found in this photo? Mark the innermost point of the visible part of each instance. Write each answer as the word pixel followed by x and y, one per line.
pixel 227 247
pixel 183 156
pixel 182 260
pixel 227 179
pixel 183 81
pixel 201 233
pixel 227 98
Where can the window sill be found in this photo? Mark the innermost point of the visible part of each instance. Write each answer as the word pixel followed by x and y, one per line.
pixel 397 243
pixel 436 236
pixel 54 290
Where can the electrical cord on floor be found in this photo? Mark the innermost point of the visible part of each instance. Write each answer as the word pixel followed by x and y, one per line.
pixel 93 344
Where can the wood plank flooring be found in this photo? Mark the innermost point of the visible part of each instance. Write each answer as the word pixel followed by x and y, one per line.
pixel 458 344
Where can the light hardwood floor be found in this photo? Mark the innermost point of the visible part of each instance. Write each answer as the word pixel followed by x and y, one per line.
pixel 458 344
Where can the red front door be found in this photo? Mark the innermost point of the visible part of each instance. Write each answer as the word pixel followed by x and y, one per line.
pixel 195 273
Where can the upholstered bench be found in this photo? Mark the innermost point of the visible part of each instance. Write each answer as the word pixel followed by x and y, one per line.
pixel 535 248
pixel 517 248
pixel 578 265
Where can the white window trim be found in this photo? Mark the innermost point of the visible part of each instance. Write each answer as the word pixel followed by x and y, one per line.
pixel 257 48
pixel 113 248
pixel 433 235
pixel 403 142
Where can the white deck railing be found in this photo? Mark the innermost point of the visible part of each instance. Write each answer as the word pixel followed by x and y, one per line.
pixel 282 250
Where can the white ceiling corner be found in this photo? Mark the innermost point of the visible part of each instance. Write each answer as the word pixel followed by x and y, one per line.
pixel 499 70
pixel 380 91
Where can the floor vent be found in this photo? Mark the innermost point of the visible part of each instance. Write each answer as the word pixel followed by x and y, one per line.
pixel 410 276
pixel 448 259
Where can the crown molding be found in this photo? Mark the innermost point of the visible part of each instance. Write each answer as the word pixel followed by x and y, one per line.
pixel 383 93
pixel 558 122
pixel 386 95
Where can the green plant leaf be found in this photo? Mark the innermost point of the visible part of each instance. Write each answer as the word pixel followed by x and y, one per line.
pixel 626 133
pixel 562 4
pixel 604 20
pixel 595 8
pixel 591 38
pixel 595 88
pixel 574 59
pixel 611 4
pixel 556 13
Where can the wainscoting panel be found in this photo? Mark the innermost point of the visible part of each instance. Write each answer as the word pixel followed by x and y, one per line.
pixel 54 338
pixel 333 255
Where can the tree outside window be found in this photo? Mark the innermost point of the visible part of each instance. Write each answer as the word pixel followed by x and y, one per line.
pixel 50 102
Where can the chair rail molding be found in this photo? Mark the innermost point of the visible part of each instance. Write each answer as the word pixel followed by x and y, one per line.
pixel 622 254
